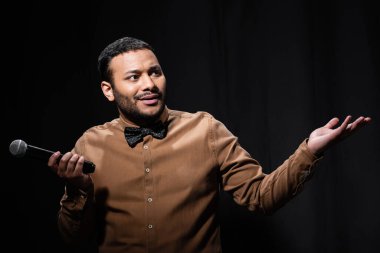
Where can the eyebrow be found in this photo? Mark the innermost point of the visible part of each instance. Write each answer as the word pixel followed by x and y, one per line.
pixel 134 71
pixel 155 67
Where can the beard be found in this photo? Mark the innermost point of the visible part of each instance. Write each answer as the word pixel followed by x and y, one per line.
pixel 129 109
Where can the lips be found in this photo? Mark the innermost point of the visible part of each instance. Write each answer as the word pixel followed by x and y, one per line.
pixel 150 99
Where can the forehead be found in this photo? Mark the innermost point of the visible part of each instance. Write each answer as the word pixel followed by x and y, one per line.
pixel 133 60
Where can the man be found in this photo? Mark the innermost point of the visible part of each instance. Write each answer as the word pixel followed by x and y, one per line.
pixel 159 171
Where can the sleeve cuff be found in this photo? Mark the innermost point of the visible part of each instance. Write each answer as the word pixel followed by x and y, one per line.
pixel 75 198
pixel 306 151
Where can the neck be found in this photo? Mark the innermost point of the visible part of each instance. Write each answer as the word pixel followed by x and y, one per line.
pixel 144 121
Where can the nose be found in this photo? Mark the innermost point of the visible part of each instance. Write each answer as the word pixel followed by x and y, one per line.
pixel 148 83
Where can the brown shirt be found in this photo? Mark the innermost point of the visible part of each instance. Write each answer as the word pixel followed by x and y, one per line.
pixel 162 195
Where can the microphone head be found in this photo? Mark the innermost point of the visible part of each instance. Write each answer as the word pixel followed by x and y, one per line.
pixel 18 148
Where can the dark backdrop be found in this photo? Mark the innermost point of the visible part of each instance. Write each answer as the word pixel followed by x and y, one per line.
pixel 272 71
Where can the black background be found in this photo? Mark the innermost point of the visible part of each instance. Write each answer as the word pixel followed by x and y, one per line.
pixel 272 71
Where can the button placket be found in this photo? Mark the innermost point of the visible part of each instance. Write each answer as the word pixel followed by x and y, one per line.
pixel 148 178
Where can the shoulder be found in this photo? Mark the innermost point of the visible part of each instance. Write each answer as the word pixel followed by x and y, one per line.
pixel 199 118
pixel 199 122
pixel 105 129
pixel 100 134
pixel 176 114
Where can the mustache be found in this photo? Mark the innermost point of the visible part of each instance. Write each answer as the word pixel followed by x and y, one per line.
pixel 146 93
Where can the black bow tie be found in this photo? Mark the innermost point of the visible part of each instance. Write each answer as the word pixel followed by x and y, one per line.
pixel 133 135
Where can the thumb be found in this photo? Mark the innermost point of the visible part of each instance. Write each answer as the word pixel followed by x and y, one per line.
pixel 332 123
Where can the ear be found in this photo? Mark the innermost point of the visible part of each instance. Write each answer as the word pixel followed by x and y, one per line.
pixel 107 90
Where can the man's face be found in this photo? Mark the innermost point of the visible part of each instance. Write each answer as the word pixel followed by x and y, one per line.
pixel 138 86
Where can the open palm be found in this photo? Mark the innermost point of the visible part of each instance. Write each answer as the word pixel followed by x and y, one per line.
pixel 324 137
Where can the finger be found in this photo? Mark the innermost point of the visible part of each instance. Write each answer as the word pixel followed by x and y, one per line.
pixel 72 164
pixel 345 123
pixel 332 123
pixel 360 122
pixel 62 167
pixel 53 160
pixel 356 123
pixel 79 165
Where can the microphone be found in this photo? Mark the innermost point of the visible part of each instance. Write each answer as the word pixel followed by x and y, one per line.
pixel 19 148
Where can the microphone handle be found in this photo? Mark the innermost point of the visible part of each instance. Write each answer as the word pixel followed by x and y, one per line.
pixel 36 152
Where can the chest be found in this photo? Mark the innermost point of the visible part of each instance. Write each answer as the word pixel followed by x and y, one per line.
pixel 167 167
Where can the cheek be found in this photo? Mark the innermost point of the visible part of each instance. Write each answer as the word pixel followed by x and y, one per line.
pixel 161 84
pixel 126 91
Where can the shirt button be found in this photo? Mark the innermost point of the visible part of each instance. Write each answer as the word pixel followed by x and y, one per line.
pixel 150 226
pixel 150 199
pixel 147 170
pixel 145 147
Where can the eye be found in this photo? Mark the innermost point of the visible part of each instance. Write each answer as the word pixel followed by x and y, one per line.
pixel 156 72
pixel 133 77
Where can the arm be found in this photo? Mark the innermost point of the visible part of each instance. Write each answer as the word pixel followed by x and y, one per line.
pixel 243 176
pixel 76 215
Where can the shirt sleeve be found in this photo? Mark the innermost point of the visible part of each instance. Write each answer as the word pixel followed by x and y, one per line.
pixel 76 214
pixel 243 176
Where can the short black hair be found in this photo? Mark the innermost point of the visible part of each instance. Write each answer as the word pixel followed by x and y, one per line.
pixel 117 47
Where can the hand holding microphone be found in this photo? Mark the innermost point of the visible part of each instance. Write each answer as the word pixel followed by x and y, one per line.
pixel 19 148
pixel 71 167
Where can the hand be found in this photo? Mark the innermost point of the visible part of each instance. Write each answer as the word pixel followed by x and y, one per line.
pixel 70 168
pixel 322 138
